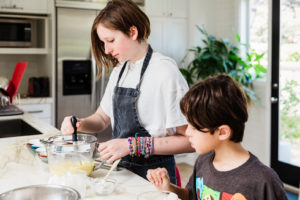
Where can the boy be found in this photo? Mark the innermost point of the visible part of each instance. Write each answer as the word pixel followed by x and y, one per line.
pixel 216 110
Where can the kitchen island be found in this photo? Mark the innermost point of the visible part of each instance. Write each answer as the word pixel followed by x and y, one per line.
pixel 19 167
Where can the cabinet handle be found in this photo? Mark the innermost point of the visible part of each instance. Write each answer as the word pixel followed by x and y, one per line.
pixel 170 14
pixel 35 111
pixel 11 7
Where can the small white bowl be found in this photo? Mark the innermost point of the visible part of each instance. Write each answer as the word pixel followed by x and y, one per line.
pixel 102 187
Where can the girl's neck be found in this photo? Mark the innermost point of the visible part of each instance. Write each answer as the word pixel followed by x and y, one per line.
pixel 230 155
pixel 140 50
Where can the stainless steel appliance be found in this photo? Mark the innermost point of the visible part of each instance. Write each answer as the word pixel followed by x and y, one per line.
pixel 15 32
pixel 78 93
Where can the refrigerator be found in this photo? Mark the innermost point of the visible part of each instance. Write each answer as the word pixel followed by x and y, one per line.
pixel 78 92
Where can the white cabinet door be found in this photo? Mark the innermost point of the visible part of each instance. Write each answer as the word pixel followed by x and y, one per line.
pixel 24 6
pixel 169 37
pixel 4 4
pixel 168 19
pixel 177 8
pixel 41 111
pixel 152 8
pixel 156 37
pixel 166 8
pixel 175 39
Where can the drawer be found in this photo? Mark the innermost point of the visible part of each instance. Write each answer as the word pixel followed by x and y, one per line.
pixel 47 120
pixel 37 110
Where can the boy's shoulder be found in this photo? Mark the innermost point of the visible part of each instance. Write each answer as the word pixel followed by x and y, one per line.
pixel 254 169
pixel 252 178
pixel 260 171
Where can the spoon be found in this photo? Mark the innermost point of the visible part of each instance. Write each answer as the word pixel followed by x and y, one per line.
pixel 114 165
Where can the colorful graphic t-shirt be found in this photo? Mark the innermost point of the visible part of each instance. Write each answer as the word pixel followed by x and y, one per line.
pixel 251 181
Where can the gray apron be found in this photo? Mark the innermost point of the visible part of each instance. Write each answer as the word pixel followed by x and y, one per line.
pixel 126 124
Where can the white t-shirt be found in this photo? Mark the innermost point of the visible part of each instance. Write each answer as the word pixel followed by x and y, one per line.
pixel 161 90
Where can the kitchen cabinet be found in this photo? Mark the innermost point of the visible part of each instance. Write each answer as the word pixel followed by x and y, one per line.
pixel 169 27
pixel 40 55
pixel 41 111
pixel 169 37
pixel 166 8
pixel 28 6
pixel 39 32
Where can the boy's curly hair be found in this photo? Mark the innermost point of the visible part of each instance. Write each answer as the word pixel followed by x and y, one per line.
pixel 214 102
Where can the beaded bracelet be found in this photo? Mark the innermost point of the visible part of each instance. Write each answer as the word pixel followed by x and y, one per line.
pixel 131 148
pixel 139 146
pixel 143 146
pixel 151 145
pixel 147 150
pixel 137 150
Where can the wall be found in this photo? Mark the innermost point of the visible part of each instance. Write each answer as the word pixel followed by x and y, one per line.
pixel 223 19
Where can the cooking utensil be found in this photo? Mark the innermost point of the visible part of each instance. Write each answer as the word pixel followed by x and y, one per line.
pixel 75 155
pixel 42 192
pixel 14 83
pixel 73 122
pixel 111 169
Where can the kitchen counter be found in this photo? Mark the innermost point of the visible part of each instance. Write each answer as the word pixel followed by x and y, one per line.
pixel 19 167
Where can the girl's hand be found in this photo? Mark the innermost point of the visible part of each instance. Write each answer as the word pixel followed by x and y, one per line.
pixel 66 126
pixel 160 178
pixel 114 149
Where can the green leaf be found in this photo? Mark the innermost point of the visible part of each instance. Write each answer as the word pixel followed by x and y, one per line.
pixel 259 56
pixel 238 38
pixel 260 69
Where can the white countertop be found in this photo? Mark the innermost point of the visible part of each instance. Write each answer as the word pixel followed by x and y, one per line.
pixel 19 167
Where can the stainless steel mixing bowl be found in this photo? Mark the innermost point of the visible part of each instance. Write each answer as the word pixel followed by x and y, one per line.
pixel 41 192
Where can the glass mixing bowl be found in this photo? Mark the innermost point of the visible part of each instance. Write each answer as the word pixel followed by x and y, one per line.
pixel 64 155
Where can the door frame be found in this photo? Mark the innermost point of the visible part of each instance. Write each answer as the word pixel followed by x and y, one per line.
pixel 287 172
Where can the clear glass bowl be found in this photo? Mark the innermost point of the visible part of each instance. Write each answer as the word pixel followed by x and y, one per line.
pixel 64 155
pixel 102 187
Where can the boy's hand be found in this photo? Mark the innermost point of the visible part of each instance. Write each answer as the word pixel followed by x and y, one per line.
pixel 160 178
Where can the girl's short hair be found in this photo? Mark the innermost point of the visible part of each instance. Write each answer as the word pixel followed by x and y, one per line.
pixel 214 102
pixel 118 15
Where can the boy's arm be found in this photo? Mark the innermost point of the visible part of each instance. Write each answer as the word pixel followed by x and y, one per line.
pixel 183 193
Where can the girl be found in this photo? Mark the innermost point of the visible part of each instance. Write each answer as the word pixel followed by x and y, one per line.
pixel 141 100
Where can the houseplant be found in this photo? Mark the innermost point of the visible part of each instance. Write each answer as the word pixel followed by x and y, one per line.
pixel 218 56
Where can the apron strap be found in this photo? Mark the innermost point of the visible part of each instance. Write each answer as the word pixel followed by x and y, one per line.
pixel 145 65
pixel 121 72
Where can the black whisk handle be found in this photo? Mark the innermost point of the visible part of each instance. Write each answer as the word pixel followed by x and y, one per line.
pixel 74 121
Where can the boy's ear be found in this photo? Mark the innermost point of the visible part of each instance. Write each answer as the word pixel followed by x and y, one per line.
pixel 133 32
pixel 224 132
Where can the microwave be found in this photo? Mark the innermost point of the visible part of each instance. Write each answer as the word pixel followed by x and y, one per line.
pixel 15 32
